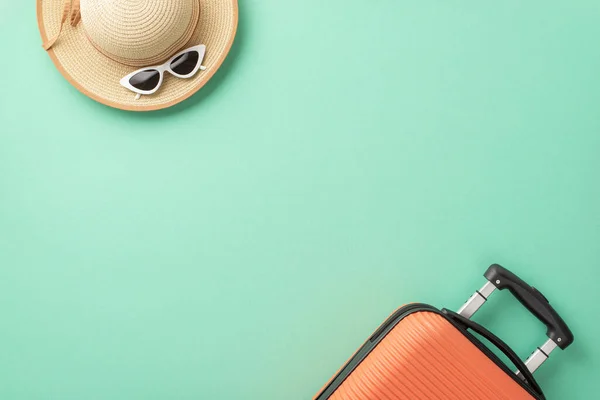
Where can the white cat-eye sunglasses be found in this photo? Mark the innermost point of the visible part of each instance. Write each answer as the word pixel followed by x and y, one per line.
pixel 183 65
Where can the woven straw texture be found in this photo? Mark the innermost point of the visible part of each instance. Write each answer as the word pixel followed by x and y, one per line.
pixel 130 32
pixel 97 74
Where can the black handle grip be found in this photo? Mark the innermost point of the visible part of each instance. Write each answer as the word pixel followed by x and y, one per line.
pixel 534 301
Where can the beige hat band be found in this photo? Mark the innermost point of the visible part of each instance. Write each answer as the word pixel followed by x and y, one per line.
pixel 162 56
pixel 72 8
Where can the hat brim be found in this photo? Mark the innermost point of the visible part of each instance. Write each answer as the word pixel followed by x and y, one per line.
pixel 98 76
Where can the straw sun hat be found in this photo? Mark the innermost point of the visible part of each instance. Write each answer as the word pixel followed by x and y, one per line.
pixel 96 43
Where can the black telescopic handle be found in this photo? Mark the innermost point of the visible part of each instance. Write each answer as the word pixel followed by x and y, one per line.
pixel 534 301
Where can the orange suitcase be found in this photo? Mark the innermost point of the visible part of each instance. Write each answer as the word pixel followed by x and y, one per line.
pixel 422 353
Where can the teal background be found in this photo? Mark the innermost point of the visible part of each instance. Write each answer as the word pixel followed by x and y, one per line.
pixel 349 157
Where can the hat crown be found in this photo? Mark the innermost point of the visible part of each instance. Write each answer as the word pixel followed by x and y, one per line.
pixel 139 32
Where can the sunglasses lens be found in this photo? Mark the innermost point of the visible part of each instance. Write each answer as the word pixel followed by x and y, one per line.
pixel 185 63
pixel 145 80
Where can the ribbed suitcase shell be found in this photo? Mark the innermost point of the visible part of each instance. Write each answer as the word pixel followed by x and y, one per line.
pixel 426 357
